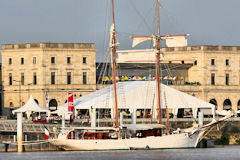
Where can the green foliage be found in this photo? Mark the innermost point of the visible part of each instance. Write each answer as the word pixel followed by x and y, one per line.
pixel 224 140
pixel 237 141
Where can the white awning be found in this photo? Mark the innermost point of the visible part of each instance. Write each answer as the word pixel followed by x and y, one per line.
pixel 30 106
pixel 141 95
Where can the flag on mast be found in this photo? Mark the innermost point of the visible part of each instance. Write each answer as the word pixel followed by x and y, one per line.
pixel 46 131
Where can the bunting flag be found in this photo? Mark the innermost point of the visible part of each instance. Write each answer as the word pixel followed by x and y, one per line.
pixel 126 78
pixel 105 78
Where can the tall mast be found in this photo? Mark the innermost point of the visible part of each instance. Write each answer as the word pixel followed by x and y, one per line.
pixel 114 65
pixel 158 65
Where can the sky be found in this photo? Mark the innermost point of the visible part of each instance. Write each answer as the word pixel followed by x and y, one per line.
pixel 209 22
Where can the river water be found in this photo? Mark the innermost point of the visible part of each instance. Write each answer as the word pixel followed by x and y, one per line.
pixel 218 153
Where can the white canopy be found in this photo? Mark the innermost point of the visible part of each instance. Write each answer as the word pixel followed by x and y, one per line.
pixel 141 95
pixel 61 110
pixel 31 106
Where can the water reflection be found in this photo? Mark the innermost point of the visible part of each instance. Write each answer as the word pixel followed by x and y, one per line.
pixel 219 153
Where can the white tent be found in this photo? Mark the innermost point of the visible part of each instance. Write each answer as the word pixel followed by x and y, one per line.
pixel 141 95
pixel 30 106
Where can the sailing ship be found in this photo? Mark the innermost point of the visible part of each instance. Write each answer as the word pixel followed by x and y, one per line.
pixel 132 136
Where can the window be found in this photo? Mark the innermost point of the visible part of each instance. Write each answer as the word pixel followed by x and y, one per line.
pixel 68 60
pixel 10 78
pixel 22 78
pixel 10 61
pixel 53 60
pixel 227 79
pixel 213 79
pixel 195 62
pixel 34 60
pixel 22 60
pixel 227 62
pixel 68 77
pixel 52 77
pixel 34 78
pixel 84 60
pixel 212 62
pixel 84 77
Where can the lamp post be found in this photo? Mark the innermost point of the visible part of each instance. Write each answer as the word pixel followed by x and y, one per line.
pixel 28 88
pixel 19 84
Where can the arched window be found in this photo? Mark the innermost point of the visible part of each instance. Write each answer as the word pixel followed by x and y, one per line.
pixel 214 102
pixel 11 104
pixel 227 105
pixel 238 105
pixel 53 104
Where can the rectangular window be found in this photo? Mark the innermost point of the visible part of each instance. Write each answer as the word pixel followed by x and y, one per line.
pixel 68 77
pixel 227 79
pixel 84 60
pixel 22 78
pixel 227 62
pixel 22 60
pixel 10 61
pixel 34 60
pixel 84 77
pixel 52 77
pixel 53 60
pixel 34 78
pixel 212 62
pixel 213 79
pixel 10 79
pixel 68 60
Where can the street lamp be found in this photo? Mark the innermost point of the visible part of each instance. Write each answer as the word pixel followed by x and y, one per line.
pixel 28 88
pixel 19 82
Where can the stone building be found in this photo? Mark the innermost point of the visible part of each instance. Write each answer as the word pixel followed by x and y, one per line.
pixel 211 73
pixel 47 70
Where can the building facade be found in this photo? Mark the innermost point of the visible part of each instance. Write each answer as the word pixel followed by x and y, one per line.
pixel 212 73
pixel 47 71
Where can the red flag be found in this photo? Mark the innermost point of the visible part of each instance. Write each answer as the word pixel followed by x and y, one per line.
pixel 46 133
pixel 70 102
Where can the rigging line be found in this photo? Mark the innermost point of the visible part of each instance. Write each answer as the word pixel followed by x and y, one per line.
pixel 171 69
pixel 140 15
pixel 171 19
pixel 102 72
pixel 106 29
pixel 104 58
pixel 154 24
pixel 168 69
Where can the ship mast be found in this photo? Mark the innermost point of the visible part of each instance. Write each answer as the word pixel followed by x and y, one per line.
pixel 158 65
pixel 113 46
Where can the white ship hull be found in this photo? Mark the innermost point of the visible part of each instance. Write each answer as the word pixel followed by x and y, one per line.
pixel 182 140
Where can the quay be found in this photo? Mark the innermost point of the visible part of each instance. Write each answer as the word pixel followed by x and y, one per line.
pixel 10 126
pixel 34 132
